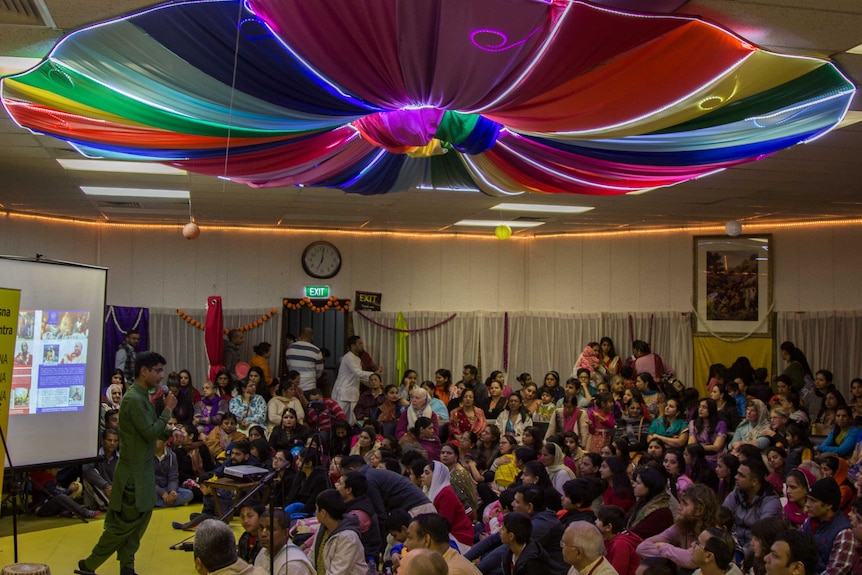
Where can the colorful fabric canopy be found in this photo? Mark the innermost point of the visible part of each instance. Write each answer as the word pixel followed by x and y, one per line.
pixel 386 95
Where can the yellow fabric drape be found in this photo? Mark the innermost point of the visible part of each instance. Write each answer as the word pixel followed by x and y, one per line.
pixel 709 350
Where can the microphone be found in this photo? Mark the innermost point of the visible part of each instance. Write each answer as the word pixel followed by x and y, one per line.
pixel 272 474
pixel 184 546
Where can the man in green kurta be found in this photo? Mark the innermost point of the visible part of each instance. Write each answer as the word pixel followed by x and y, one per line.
pixel 134 489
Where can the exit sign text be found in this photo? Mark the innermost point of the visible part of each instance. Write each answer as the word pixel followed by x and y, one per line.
pixel 319 292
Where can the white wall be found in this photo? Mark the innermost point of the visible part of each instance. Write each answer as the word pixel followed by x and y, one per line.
pixel 816 268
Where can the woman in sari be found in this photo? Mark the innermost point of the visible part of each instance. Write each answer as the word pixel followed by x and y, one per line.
pixel 467 417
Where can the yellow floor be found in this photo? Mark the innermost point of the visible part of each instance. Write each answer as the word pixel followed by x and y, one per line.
pixel 61 547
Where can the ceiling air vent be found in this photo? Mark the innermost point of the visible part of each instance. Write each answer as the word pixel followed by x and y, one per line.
pixel 114 205
pixel 24 13
pixel 530 219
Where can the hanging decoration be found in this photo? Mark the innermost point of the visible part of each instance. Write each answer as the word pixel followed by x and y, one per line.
pixel 555 96
pixel 404 330
pixel 331 303
pixel 247 327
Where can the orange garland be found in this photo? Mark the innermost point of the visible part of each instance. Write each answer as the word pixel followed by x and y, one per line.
pixel 247 327
pixel 332 302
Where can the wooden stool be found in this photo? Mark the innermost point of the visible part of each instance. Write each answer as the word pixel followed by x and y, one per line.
pixel 28 568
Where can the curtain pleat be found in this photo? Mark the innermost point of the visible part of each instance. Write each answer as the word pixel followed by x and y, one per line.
pixel 183 345
pixel 829 339
pixel 538 342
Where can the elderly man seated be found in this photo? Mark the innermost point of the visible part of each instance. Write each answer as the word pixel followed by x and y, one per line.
pixel 215 551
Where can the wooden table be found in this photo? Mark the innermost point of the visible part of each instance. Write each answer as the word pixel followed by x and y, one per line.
pixel 239 487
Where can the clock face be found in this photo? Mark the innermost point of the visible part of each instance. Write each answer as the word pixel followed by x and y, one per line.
pixel 321 260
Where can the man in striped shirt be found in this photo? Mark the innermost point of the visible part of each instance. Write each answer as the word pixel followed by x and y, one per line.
pixel 305 358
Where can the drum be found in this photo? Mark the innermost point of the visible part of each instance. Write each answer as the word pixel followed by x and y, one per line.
pixel 26 569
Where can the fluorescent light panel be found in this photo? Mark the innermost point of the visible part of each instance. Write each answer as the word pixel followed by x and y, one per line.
pixel 850 118
pixel 120 167
pixel 495 223
pixel 15 64
pixel 136 193
pixel 542 208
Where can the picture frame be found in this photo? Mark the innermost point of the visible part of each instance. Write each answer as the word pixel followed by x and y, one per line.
pixel 733 285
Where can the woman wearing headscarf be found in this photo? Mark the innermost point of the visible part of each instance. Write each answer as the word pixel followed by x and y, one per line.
pixel 420 406
pixel 553 458
pixel 113 395
pixel 752 430
pixel 436 484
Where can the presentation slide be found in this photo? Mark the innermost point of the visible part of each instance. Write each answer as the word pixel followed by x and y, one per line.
pixel 50 364
pixel 54 407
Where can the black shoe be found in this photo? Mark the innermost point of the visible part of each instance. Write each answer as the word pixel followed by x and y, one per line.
pixel 83 569
pixel 127 571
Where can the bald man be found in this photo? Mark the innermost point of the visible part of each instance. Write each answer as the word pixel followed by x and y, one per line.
pixel 423 562
pixel 584 549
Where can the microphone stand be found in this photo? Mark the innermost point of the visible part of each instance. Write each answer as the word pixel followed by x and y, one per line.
pixel 267 479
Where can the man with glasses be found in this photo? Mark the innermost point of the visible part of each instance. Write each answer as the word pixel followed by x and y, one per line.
pixel 134 489
pixel 792 553
pixel 584 549
pixel 713 553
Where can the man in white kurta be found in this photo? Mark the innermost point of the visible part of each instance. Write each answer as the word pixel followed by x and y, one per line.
pixel 350 374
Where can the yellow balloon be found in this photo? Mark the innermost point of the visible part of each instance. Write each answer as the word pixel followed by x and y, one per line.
pixel 503 232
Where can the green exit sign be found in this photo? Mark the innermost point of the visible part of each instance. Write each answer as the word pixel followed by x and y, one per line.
pixel 318 292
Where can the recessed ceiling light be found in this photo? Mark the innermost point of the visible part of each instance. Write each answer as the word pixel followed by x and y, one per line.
pixel 495 223
pixel 120 167
pixel 446 189
pixel 542 208
pixel 850 118
pixel 14 64
pixel 136 193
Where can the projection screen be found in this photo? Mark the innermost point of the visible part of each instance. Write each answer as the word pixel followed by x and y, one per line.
pixel 55 397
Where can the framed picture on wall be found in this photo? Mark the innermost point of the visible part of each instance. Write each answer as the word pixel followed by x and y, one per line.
pixel 733 285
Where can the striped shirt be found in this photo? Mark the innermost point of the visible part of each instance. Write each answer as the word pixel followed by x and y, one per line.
pixel 306 359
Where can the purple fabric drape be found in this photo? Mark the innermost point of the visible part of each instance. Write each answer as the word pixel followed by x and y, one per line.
pixel 118 321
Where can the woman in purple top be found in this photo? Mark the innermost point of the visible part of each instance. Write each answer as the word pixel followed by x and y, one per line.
pixel 708 430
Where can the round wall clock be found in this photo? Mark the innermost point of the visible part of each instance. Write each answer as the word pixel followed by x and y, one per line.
pixel 321 260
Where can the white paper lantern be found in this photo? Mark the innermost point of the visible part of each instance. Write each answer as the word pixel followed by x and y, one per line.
pixel 733 228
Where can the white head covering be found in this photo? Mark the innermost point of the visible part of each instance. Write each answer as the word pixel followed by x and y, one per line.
pixel 414 414
pixel 109 393
pixel 559 462
pixel 439 480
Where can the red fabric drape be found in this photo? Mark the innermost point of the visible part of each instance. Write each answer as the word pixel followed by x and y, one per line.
pixel 214 335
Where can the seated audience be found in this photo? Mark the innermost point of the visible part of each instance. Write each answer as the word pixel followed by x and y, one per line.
pixel 337 545
pixel 523 556
pixel 168 490
pixel 98 476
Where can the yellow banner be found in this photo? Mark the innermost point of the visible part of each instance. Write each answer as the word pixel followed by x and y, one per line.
pixel 9 302
pixel 709 350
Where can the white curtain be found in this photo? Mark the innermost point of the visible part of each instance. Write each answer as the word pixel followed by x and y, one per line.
pixel 450 345
pixel 183 344
pixel 829 339
pixel 538 342
pixel 542 342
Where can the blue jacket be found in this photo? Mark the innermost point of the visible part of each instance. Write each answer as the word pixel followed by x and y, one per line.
pixel 845 448
pixel 824 534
